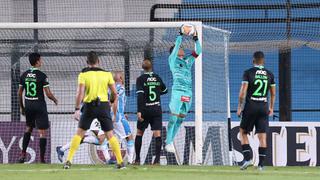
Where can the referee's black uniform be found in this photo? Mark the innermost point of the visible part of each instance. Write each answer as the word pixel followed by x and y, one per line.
pixel 149 89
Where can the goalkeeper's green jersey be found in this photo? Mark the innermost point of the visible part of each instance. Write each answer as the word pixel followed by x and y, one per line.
pixel 181 68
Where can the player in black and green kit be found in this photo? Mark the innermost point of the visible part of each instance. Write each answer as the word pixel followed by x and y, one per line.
pixel 34 82
pixel 256 83
pixel 149 89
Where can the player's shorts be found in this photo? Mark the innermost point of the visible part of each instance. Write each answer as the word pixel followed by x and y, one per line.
pixel 152 118
pixel 122 128
pixel 255 114
pixel 180 102
pixel 90 111
pixel 36 114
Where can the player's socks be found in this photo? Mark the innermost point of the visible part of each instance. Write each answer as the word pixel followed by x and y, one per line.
pixel 177 126
pixel 75 142
pixel 158 149
pixel 91 140
pixel 130 150
pixel 262 155
pixel 170 129
pixel 115 146
pixel 137 145
pixel 105 151
pixel 25 141
pixel 43 144
pixel 247 152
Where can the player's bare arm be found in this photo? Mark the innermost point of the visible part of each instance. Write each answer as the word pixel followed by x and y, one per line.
pixel 272 99
pixel 242 96
pixel 20 94
pixel 50 95
pixel 79 98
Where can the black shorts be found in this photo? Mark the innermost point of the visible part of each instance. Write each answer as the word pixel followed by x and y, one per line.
pixel 153 118
pixel 255 114
pixel 36 114
pixel 101 112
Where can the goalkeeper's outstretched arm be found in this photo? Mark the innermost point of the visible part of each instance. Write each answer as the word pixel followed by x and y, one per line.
pixel 175 49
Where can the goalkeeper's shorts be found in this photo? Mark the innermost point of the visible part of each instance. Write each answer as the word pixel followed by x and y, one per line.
pixel 180 102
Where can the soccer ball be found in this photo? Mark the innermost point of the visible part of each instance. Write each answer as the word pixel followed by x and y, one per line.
pixel 188 29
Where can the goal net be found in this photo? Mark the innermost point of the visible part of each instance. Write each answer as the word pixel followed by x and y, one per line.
pixel 203 137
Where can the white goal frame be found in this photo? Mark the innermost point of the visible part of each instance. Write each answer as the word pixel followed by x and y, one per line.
pixel 137 25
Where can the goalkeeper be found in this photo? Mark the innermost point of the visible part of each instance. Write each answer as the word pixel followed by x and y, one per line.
pixel 181 96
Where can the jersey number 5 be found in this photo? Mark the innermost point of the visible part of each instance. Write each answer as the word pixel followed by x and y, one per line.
pixel 31 88
pixel 152 94
pixel 262 84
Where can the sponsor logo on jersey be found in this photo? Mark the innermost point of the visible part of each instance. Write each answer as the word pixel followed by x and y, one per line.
pixel 31 75
pixel 152 79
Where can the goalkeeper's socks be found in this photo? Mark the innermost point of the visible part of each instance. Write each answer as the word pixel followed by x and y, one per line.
pixel 75 142
pixel 247 152
pixel 262 155
pixel 91 140
pixel 177 126
pixel 25 142
pixel 43 144
pixel 170 129
pixel 137 145
pixel 115 146
pixel 158 150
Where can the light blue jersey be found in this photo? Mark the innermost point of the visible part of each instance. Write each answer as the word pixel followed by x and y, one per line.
pixel 121 102
pixel 181 68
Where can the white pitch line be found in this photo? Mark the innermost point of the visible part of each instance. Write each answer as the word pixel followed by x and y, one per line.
pixel 265 172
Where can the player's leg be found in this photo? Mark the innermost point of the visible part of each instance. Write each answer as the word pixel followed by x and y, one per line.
pixel 129 138
pixel 75 142
pixel 141 126
pixel 186 105
pixel 42 123
pixel 30 124
pixel 175 106
pixel 246 126
pixel 25 143
pixel 104 146
pixel 156 127
pixel 262 126
pixel 84 124
pixel 105 120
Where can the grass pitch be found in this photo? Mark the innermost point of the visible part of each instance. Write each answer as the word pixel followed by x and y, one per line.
pixel 96 172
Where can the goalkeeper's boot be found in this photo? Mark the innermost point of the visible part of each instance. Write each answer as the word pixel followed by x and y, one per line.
pixel 170 148
pixel 246 164
pixel 22 158
pixel 121 166
pixel 60 153
pixel 67 165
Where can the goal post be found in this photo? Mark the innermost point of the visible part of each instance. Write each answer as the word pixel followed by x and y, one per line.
pixel 64 46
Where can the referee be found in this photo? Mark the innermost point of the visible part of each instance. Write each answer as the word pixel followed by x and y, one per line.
pixel 256 83
pixel 34 82
pixel 93 85
pixel 149 89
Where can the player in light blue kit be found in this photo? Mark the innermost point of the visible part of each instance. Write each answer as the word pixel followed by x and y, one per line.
pixel 181 95
pixel 121 125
